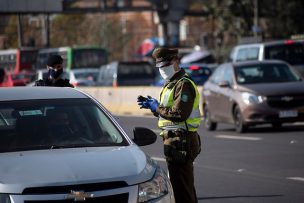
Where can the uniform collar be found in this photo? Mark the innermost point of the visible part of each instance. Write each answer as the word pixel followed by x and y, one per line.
pixel 176 77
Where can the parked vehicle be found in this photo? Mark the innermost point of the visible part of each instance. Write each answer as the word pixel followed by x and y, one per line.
pixel 60 145
pixel 137 73
pixel 289 51
pixel 83 77
pixel 198 72
pixel 251 93
pixel 15 79
pixel 18 60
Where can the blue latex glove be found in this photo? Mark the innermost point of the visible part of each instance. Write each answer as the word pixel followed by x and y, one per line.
pixel 152 104
pixel 142 102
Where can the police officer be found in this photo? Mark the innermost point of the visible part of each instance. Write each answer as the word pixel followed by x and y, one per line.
pixel 179 118
pixel 55 70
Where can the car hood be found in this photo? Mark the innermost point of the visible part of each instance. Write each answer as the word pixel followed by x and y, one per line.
pixel 57 167
pixel 273 89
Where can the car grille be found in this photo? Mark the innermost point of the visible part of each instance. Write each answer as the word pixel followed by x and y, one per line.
pixel 119 198
pixel 67 188
pixel 285 102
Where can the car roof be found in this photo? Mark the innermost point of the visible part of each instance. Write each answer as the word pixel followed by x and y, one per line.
pixel 270 43
pixel 31 93
pixel 85 70
pixel 241 63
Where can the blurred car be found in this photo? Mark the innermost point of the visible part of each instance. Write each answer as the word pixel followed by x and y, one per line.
pixel 60 145
pixel 251 93
pixel 134 73
pixel 16 79
pixel 83 77
pixel 290 51
pixel 198 72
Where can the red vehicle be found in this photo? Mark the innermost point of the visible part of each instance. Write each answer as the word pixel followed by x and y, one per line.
pixel 18 60
pixel 15 79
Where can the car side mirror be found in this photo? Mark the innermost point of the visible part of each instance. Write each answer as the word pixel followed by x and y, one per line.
pixel 224 83
pixel 143 136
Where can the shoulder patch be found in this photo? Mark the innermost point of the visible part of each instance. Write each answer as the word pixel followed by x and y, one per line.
pixel 185 98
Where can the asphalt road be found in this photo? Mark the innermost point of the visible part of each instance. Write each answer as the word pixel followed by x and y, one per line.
pixel 262 165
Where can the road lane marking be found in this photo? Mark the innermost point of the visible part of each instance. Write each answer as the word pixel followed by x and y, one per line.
pixel 241 170
pixel 158 159
pixel 295 178
pixel 238 137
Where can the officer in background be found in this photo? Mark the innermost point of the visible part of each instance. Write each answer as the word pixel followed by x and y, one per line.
pixel 179 118
pixel 55 71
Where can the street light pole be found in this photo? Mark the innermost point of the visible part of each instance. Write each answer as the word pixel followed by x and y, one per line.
pixel 20 31
pixel 256 19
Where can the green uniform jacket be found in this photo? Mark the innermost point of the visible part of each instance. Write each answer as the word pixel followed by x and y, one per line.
pixel 184 96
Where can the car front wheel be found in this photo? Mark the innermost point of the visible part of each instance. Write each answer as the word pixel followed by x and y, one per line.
pixel 208 123
pixel 239 124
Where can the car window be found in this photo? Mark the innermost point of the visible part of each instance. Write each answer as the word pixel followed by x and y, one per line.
pixel 135 70
pixel 265 73
pixel 251 53
pixel 291 53
pixel 241 54
pixel 228 74
pixel 218 74
pixel 63 123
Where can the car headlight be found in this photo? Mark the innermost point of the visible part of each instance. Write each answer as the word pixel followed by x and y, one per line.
pixel 4 198
pixel 155 188
pixel 250 98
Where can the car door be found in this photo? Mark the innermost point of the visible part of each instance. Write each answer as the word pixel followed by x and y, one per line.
pixel 211 92
pixel 225 94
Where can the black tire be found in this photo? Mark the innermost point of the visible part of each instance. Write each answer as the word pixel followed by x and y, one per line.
pixel 276 125
pixel 208 123
pixel 239 124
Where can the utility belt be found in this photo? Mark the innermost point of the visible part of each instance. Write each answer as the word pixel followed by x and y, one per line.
pixel 180 145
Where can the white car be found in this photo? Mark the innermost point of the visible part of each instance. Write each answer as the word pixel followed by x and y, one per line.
pixel 61 145
pixel 83 77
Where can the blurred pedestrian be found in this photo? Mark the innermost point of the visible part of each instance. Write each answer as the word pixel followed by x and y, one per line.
pixel 54 76
pixel 179 118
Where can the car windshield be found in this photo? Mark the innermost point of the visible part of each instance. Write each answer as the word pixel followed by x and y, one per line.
pixel 61 123
pixel 265 73
pixel 135 70
pixel 198 74
pixel 22 76
pixel 292 53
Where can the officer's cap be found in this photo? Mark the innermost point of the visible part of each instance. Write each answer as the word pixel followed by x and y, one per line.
pixel 54 60
pixel 163 56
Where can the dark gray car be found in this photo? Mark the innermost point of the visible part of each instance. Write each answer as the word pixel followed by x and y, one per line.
pixel 134 73
pixel 250 93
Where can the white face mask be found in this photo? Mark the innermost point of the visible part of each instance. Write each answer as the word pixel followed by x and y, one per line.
pixel 167 71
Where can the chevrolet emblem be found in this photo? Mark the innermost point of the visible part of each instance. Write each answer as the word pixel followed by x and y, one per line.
pixel 79 195
pixel 286 98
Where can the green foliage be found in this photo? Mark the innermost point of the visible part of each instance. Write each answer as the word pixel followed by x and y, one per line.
pixel 11 32
pixel 67 30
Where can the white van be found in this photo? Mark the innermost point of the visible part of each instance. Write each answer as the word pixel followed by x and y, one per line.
pixel 289 51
